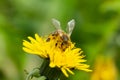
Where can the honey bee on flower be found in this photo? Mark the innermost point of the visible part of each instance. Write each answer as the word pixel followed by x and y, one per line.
pixel 63 38
pixel 58 49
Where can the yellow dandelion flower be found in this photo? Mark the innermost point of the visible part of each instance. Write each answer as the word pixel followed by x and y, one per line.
pixel 59 49
pixel 36 46
pixel 105 69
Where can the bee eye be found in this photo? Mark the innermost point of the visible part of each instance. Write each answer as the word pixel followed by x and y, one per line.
pixel 65 38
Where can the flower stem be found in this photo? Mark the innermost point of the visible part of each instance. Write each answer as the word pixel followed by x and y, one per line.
pixel 50 73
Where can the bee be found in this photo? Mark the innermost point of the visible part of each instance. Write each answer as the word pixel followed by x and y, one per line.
pixel 61 37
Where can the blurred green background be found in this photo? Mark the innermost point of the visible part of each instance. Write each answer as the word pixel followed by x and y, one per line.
pixel 97 31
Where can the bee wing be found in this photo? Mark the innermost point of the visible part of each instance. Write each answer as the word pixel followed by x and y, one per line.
pixel 56 23
pixel 70 27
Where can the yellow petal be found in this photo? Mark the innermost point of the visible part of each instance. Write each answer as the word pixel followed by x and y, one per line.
pixel 27 44
pixel 28 50
pixel 64 72
pixel 69 71
pixel 52 64
pixel 38 38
